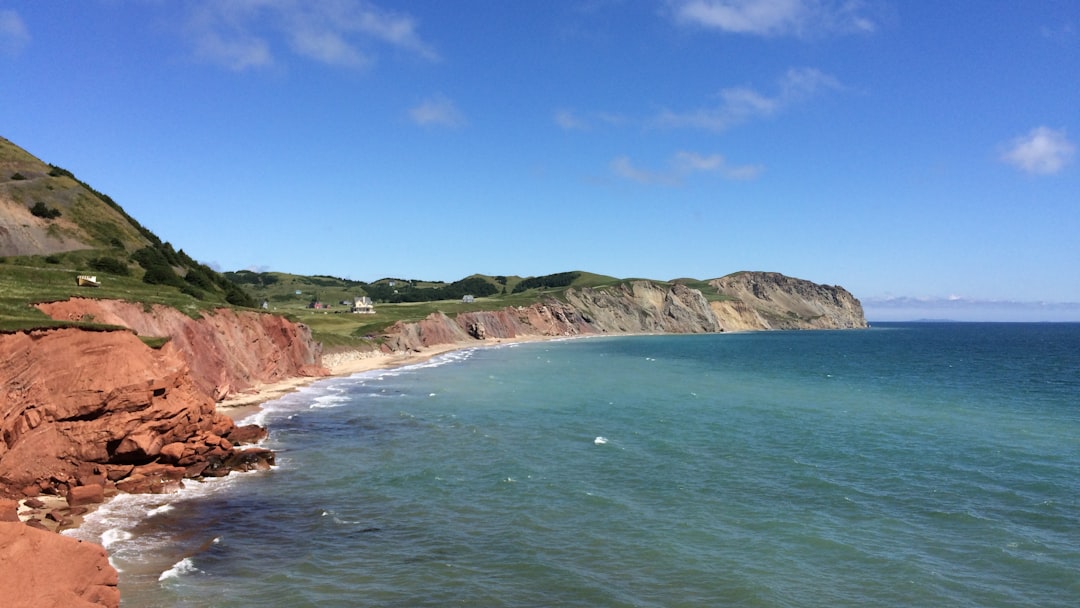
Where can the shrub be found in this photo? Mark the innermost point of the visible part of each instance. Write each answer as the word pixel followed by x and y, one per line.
pixel 42 210
pixel 191 291
pixel 197 277
pixel 109 265
pixel 236 296
pixel 52 259
pixel 162 275
pixel 561 279
pixel 17 176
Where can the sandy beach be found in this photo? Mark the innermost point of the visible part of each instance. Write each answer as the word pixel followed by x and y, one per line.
pixel 347 363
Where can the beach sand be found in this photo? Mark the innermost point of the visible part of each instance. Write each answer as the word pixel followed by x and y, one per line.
pixel 347 363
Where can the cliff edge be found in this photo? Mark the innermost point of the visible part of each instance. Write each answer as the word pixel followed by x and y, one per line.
pixel 744 301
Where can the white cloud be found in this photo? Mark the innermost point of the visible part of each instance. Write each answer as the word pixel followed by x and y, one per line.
pixel 803 18
pixel 570 121
pixel 683 165
pixel 1043 151
pixel 238 52
pixel 240 34
pixel 691 162
pixel 623 168
pixel 575 121
pixel 741 104
pixel 13 33
pixel 438 111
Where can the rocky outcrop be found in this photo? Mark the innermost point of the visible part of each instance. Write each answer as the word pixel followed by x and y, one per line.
pixel 745 301
pixel 101 408
pixel 770 300
pixel 645 307
pixel 40 569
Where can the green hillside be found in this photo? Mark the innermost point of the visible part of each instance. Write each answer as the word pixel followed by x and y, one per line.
pixel 54 228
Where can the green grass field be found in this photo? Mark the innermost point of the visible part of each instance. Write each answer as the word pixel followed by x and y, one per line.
pixel 25 281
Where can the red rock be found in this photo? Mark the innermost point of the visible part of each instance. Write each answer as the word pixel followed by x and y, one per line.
pixel 118 472
pixel 9 510
pixel 30 578
pixel 172 452
pixel 134 484
pixel 86 495
pixel 140 446
pixel 251 459
pixel 249 433
pixel 93 480
pixel 34 503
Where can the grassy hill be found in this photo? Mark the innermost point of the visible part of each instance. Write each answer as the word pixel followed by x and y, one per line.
pixel 54 227
pixel 396 299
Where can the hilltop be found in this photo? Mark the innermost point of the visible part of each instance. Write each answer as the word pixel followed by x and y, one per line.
pixel 54 227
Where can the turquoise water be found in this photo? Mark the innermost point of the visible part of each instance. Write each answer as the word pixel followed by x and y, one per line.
pixel 906 465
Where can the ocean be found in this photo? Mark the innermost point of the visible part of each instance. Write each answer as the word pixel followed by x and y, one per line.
pixel 928 464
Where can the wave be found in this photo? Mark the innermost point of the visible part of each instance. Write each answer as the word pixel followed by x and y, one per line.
pixel 116 523
pixel 160 510
pixel 180 568
pixel 113 535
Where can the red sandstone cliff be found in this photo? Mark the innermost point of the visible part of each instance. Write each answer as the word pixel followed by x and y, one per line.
pixel 84 409
pixel 83 413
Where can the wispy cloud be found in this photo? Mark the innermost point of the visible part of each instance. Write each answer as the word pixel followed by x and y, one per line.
pixel 801 18
pixel 1042 151
pixel 245 34
pixel 13 33
pixel 682 166
pixel 575 121
pixel 741 104
pixel 570 121
pixel 438 111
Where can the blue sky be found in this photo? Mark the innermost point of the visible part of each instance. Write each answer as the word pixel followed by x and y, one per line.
pixel 920 154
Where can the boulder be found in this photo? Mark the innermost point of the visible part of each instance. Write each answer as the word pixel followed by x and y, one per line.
pixel 249 433
pixel 172 452
pixel 86 495
pixel 40 569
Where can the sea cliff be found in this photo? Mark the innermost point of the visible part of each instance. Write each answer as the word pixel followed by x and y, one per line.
pixel 130 405
pixel 103 409
pixel 747 301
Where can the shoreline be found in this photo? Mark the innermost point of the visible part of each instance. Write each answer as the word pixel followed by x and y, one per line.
pixel 56 515
pixel 347 363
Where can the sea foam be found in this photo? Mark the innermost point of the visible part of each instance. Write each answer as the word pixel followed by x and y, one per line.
pixel 180 568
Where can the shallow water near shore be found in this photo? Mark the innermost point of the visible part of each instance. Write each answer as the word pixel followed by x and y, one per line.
pixel 906 465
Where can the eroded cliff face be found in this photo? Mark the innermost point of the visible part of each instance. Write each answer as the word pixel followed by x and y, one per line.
pixel 746 301
pixel 226 351
pixel 776 301
pixel 84 412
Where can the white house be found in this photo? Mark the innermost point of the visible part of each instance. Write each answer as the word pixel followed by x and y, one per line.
pixel 362 305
